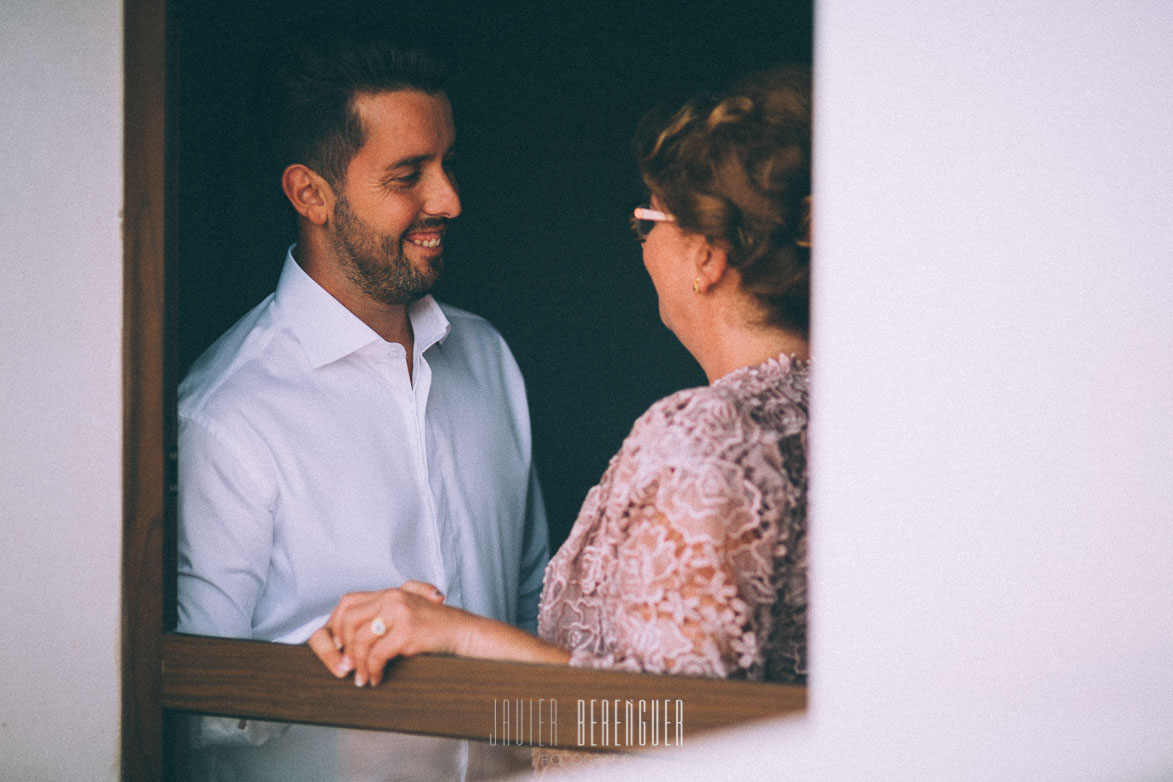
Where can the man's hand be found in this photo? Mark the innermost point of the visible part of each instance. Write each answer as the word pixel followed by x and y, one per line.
pixel 367 629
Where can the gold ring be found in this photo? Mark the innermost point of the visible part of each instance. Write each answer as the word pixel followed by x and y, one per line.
pixel 377 626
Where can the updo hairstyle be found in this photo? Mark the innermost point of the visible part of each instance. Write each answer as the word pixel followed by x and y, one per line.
pixel 736 168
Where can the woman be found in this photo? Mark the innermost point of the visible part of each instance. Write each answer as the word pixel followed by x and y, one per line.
pixel 689 556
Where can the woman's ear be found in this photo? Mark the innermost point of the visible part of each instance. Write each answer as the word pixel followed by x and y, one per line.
pixel 712 262
pixel 310 194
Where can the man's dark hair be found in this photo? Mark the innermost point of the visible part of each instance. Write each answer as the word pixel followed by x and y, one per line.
pixel 315 121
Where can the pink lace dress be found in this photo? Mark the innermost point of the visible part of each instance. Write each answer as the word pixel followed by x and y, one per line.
pixel 689 557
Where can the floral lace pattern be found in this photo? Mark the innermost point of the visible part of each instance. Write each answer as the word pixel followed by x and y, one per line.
pixel 689 557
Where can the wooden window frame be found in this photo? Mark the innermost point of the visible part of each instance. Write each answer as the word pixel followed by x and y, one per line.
pixel 165 673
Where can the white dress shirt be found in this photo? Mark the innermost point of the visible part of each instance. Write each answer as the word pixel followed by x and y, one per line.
pixel 311 465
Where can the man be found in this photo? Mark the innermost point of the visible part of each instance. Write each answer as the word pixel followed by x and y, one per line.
pixel 350 433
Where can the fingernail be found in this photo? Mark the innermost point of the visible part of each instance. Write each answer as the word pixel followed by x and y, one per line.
pixel 359 681
pixel 344 667
pixel 338 643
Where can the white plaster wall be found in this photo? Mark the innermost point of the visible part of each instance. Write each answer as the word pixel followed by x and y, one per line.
pixel 992 512
pixel 993 429
pixel 60 388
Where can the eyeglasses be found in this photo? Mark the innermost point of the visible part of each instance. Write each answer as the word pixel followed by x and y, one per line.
pixel 644 219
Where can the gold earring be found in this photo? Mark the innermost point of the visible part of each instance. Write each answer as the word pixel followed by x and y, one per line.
pixel 696 285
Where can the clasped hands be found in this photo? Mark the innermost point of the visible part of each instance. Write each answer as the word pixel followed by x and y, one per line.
pixel 368 629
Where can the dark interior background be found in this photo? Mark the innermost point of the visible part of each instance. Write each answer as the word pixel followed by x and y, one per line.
pixel 546 102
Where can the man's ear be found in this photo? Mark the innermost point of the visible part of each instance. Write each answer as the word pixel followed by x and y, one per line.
pixel 310 194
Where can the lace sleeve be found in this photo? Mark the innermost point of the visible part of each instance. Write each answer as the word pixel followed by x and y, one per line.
pixel 695 571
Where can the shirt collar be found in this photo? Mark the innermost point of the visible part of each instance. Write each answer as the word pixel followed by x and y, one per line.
pixel 329 331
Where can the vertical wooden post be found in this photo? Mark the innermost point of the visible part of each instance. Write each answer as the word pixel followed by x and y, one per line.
pixel 144 388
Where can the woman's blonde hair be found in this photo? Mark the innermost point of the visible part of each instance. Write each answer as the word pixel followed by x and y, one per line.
pixel 736 168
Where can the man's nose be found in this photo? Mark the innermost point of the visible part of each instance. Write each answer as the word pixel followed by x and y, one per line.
pixel 443 197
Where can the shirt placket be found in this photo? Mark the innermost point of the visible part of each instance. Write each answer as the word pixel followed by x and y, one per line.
pixel 411 402
pixel 447 536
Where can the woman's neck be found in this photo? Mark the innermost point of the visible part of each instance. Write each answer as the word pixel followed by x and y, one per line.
pixel 727 347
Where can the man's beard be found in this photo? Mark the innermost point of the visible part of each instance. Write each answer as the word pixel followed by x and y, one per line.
pixel 375 262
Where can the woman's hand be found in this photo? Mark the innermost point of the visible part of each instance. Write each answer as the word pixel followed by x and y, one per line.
pixel 367 629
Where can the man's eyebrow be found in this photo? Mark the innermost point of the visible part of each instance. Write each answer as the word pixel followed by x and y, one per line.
pixel 414 161
pixel 408 162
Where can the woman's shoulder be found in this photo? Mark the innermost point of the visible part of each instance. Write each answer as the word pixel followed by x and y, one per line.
pixel 681 416
pixel 770 396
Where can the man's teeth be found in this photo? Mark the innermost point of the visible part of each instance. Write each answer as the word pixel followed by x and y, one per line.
pixel 425 242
